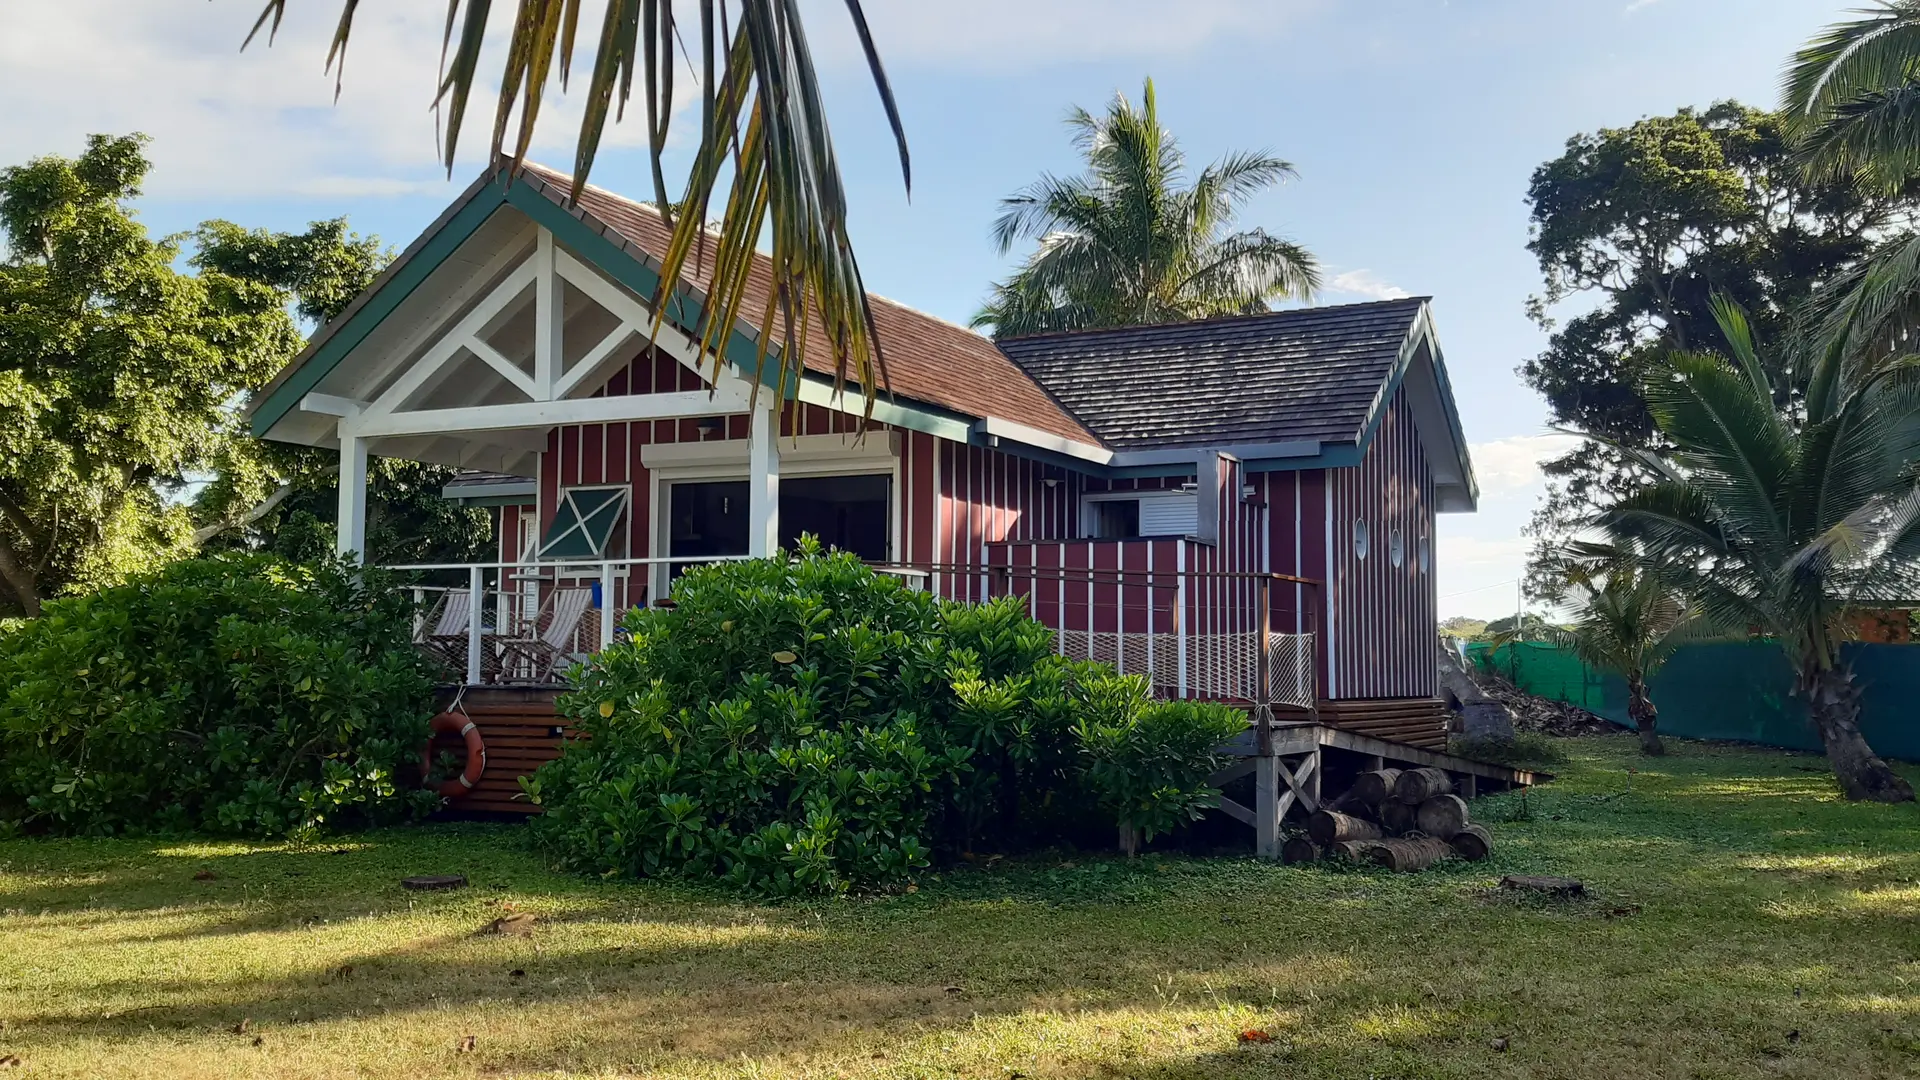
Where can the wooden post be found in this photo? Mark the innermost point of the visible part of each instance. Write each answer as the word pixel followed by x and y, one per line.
pixel 1266 806
pixel 763 481
pixel 1262 675
pixel 477 591
pixel 607 606
pixel 351 519
pixel 1319 646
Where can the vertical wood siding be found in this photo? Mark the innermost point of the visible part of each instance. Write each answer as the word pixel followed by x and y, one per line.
pixel 1382 642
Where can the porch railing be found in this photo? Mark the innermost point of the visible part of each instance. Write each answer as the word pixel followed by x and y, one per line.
pixel 525 622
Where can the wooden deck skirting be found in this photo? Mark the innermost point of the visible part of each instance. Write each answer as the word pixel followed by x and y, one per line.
pixel 523 730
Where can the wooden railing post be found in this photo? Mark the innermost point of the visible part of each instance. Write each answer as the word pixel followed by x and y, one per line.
pixel 1263 674
pixel 476 596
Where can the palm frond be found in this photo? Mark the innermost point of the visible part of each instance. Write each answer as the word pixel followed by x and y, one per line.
pixel 763 126
pixel 1832 80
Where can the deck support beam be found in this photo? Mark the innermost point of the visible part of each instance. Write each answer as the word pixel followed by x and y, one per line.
pixel 351 531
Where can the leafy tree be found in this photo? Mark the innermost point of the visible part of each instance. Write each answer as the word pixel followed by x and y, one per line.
pixel 1126 244
pixel 1629 623
pixel 1651 220
pixel 284 499
pixel 1782 521
pixel 763 125
pixel 116 373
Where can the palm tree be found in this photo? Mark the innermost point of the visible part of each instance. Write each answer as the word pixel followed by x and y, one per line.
pixel 1627 622
pixel 762 122
pixel 1125 244
pixel 1852 96
pixel 1782 521
pixel 1851 103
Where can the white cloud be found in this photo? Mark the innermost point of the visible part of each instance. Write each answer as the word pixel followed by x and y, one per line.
pixel 1511 466
pixel 1366 283
pixel 261 122
pixel 998 34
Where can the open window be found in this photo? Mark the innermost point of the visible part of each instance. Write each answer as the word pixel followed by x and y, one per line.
pixel 1124 515
pixel 585 523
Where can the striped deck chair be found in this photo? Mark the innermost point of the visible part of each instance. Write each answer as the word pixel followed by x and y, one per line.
pixel 549 641
pixel 443 632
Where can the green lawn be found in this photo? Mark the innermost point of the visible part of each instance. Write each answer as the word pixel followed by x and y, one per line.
pixel 1745 923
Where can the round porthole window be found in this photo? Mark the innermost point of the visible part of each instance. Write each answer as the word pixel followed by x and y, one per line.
pixel 1424 558
pixel 1360 538
pixel 1397 548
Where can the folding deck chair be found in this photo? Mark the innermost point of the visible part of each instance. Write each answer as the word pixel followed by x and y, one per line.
pixel 550 639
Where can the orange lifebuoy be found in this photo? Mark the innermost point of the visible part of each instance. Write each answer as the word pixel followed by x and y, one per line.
pixel 456 724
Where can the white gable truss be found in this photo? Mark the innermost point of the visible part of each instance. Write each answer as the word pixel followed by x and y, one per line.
pixel 517 348
pixel 513 362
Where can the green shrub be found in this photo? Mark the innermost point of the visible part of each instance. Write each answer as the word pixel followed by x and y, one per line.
pixel 237 695
pixel 807 725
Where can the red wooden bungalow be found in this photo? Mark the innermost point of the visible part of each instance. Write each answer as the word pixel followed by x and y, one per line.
pixel 1168 498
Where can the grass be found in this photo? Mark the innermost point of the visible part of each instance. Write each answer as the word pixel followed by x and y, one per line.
pixel 1744 923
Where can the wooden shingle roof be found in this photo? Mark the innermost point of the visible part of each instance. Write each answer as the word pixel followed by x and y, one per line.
pixel 1301 375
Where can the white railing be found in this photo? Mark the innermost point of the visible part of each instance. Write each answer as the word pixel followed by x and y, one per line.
pixel 524 622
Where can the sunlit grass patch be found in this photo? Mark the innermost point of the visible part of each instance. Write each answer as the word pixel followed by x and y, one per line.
pixel 1733 902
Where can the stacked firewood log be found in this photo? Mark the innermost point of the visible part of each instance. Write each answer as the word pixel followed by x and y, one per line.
pixel 1402 819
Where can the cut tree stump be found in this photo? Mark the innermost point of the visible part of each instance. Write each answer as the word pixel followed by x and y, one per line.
pixel 1351 850
pixel 1416 786
pixel 1328 827
pixel 1442 816
pixel 1375 787
pixel 1397 817
pixel 1409 853
pixel 1299 850
pixel 1473 843
pixel 1560 888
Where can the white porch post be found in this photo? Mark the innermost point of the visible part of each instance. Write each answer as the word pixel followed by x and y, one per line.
pixel 763 483
pixel 352 529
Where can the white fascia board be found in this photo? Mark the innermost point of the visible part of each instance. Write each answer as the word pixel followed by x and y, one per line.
pixel 996 427
pixel 544 414
pixel 523 489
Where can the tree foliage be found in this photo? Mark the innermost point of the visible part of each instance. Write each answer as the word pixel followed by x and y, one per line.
pixel 116 373
pixel 1126 244
pixel 1783 521
pixel 1651 221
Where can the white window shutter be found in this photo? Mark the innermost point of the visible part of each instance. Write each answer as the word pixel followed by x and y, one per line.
pixel 1176 514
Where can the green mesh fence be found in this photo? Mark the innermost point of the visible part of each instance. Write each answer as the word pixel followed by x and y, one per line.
pixel 1737 690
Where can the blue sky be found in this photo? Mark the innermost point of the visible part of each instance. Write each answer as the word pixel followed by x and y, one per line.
pixel 1414 124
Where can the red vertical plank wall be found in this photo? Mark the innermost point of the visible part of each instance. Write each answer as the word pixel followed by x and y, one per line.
pixel 1383 615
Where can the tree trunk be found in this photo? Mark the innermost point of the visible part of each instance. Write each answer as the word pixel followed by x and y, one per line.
pixel 19 580
pixel 1376 786
pixel 1327 827
pixel 1473 843
pixel 1299 850
pixel 1833 702
pixel 1416 786
pixel 1645 717
pixel 1406 855
pixel 1442 816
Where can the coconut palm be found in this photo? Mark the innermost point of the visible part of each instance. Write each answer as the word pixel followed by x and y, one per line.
pixel 1781 521
pixel 762 123
pixel 1126 244
pixel 1852 96
pixel 1627 622
pixel 1851 103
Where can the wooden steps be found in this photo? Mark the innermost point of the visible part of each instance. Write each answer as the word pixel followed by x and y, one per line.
pixel 1420 722
pixel 522 732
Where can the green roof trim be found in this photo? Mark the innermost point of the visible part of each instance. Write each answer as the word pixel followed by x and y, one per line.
pixel 583 523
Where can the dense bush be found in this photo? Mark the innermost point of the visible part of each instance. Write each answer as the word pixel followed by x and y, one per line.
pixel 239 695
pixel 807 725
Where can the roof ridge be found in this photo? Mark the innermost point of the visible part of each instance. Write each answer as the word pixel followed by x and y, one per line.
pixel 1217 319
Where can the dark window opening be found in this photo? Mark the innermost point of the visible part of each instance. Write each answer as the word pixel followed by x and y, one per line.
pixel 850 513
pixel 1115 519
